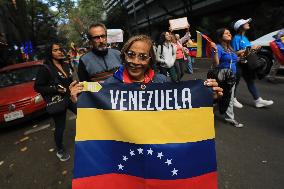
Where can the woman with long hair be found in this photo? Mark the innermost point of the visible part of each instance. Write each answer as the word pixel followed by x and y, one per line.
pixel 166 56
pixel 52 79
pixel 224 57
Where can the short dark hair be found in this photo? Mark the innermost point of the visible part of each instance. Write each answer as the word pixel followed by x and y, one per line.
pixel 94 25
pixel 134 39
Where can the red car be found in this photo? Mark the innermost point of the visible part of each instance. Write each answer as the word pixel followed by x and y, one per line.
pixel 18 99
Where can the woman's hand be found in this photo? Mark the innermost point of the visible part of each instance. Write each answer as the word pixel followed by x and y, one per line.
pixel 218 91
pixel 214 46
pixel 75 88
pixel 255 47
pixel 215 53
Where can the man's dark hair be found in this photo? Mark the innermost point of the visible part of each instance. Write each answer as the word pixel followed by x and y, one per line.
pixel 94 25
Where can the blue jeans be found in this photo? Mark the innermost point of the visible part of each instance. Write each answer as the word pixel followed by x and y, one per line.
pixel 250 84
pixel 252 89
pixel 190 61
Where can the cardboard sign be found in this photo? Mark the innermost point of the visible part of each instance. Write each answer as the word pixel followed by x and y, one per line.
pixel 114 35
pixel 178 24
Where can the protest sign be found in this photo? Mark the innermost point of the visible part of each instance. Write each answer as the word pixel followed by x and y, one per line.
pixel 180 23
pixel 114 35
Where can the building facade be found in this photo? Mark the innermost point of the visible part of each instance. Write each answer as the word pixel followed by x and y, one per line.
pixel 151 16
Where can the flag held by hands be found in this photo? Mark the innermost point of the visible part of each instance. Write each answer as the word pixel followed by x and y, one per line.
pixel 203 45
pixel 158 137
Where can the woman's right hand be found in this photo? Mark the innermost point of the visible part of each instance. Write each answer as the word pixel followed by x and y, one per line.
pixel 255 47
pixel 75 89
pixel 214 47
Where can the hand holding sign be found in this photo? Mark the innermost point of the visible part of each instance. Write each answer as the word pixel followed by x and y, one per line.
pixel 180 23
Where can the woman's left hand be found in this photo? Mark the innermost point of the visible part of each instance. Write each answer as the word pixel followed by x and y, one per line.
pixel 218 91
pixel 75 89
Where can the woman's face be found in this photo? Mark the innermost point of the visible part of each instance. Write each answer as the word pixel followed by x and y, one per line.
pixel 227 36
pixel 174 39
pixel 137 60
pixel 57 52
pixel 246 26
pixel 168 36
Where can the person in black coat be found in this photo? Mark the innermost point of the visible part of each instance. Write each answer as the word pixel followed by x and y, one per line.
pixel 53 79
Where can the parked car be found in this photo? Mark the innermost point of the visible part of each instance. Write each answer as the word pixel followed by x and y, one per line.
pixel 264 42
pixel 19 101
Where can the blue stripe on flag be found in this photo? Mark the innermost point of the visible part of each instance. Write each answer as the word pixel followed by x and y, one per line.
pixel 104 157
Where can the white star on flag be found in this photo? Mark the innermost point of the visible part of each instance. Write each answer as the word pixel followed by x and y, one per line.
pixel 125 158
pixel 140 150
pixel 160 155
pixel 174 172
pixel 120 167
pixel 150 151
pixel 132 153
pixel 169 161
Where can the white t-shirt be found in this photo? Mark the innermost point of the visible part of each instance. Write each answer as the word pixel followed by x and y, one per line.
pixel 166 58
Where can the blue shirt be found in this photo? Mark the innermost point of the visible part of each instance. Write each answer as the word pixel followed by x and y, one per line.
pixel 240 42
pixel 226 58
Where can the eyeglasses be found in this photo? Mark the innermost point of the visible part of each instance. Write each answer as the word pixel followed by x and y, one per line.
pixel 141 56
pixel 98 37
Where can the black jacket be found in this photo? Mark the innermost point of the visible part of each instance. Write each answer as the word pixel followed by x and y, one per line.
pixel 49 77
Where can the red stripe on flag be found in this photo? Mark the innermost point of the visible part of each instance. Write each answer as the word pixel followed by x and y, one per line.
pixel 119 181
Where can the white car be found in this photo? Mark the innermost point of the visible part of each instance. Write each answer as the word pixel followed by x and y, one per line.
pixel 264 42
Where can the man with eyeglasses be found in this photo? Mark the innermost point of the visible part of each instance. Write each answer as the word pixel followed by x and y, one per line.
pixel 101 62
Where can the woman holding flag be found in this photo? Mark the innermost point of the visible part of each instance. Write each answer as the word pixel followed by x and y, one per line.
pixel 138 60
pixel 225 58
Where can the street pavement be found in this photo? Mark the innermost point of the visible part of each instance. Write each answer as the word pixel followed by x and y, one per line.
pixel 248 158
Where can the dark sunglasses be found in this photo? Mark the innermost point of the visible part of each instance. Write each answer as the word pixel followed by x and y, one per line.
pixel 140 56
pixel 98 37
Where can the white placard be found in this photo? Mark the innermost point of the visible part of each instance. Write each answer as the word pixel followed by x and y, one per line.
pixel 114 35
pixel 180 23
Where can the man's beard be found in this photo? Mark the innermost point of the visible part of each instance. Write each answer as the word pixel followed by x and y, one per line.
pixel 100 50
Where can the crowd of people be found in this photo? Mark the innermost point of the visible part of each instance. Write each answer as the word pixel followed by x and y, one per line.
pixel 143 62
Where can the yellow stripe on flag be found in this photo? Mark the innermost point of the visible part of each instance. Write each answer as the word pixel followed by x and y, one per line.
pixel 146 127
pixel 199 45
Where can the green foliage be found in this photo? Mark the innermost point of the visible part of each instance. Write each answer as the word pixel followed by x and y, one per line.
pixel 79 19
pixel 42 21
